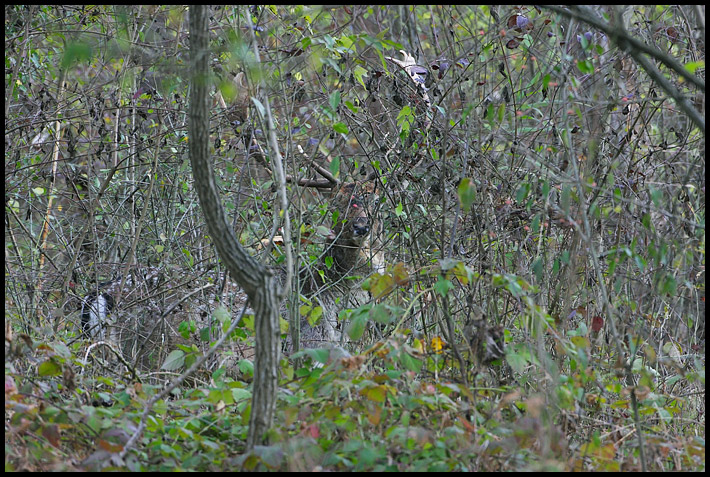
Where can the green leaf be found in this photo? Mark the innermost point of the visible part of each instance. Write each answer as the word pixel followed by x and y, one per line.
pixel 356 327
pixel 358 73
pixel 335 166
pixel 398 210
pixel 586 67
pixel 185 328
pixel 410 362
pixel 535 224
pixel 320 355
pixel 656 196
pixel 501 113
pixel 490 111
pixel 376 393
pixel 463 273
pixel 174 361
pixel 76 52
pixel 14 205
pixel 352 107
pixel 467 193
pixel 517 358
pixel 443 286
pixel 246 367
pixel 405 119
pixel 340 128
pixel 537 268
pixel 334 99
pixel 522 192
pixel 221 314
pixel 239 394
pixel 694 65
pixel 311 313
pixel 49 368
pixel 640 262
pixel 669 285
pixel 380 314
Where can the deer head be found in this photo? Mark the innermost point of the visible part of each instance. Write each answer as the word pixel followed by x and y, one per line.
pixel 352 233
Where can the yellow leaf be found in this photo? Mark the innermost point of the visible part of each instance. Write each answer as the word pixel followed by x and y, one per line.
pixel 437 344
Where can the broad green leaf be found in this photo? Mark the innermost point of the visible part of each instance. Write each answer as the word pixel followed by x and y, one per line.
pixel 239 394
pixel 522 192
pixel 49 368
pixel 246 367
pixel 356 327
pixel 405 119
pixel 517 358
pixel 537 268
pixel 467 193
pixel 221 314
pixel 375 393
pixel 410 362
pixel 398 210
pixel 334 99
pixel 340 128
pixel 335 165
pixel 174 361
pixel 380 314
pixel 694 65
pixel 443 286
pixel 586 67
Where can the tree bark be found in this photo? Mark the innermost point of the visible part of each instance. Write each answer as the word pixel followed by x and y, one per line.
pixel 257 281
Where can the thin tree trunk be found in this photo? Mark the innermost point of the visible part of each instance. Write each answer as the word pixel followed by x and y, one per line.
pixel 257 281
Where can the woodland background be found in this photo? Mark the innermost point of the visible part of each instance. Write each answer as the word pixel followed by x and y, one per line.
pixel 549 201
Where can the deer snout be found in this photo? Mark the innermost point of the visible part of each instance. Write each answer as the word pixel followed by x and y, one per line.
pixel 360 228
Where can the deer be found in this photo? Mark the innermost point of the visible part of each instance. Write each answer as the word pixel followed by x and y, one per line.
pixel 347 253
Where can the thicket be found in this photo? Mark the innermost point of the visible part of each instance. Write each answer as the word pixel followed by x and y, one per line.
pixel 541 215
